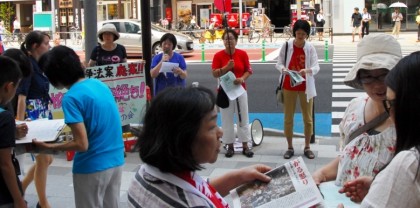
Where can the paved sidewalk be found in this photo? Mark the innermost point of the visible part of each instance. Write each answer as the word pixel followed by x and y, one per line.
pixel 270 152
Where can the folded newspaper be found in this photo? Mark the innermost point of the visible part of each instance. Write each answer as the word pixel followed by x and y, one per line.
pixel 295 78
pixel 291 185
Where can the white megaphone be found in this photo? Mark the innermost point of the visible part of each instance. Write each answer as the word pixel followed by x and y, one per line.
pixel 257 134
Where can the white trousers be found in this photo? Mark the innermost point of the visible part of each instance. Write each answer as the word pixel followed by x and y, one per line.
pixel 228 113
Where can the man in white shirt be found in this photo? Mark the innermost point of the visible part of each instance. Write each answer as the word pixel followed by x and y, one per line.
pixel 365 22
pixel 396 18
pixel 16 29
pixel 16 26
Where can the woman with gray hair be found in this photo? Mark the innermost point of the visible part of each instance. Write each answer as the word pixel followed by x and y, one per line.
pixel 367 134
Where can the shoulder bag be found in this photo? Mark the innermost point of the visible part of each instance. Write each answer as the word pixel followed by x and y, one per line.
pixel 222 99
pixel 368 126
pixel 279 89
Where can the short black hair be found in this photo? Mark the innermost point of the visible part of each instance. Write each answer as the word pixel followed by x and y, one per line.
pixel 62 66
pixel 171 37
pixel 25 64
pixel 10 71
pixel 233 32
pixel 356 8
pixel 33 37
pixel 303 25
pixel 171 125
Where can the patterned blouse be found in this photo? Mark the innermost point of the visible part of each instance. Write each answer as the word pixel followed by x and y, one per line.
pixel 366 154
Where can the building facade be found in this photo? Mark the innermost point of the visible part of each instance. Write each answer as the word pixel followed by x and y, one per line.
pixel 68 13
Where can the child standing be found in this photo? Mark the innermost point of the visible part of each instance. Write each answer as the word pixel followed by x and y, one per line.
pixel 11 194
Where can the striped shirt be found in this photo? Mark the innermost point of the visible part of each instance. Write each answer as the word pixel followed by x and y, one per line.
pixel 152 188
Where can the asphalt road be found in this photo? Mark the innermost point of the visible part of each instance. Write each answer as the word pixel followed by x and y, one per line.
pixel 261 86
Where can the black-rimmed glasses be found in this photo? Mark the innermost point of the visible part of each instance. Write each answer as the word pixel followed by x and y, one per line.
pixel 372 79
pixel 388 104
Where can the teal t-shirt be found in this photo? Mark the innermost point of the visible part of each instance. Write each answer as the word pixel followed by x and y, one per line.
pixel 91 102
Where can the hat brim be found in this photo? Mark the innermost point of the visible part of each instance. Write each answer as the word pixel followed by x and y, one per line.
pixel 102 31
pixel 370 62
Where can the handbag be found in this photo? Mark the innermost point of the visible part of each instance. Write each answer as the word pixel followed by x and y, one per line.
pixel 222 99
pixel 279 89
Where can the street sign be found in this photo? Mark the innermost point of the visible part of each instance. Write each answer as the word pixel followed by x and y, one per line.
pixel 43 21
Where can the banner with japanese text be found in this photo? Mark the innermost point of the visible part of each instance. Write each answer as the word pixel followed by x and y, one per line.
pixel 127 83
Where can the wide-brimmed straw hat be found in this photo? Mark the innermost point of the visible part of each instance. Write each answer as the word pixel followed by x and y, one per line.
pixel 109 28
pixel 375 51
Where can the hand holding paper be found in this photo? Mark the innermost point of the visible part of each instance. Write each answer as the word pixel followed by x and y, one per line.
pixel 232 91
pixel 168 67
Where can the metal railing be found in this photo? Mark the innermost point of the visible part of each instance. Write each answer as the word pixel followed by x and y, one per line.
pixel 254 35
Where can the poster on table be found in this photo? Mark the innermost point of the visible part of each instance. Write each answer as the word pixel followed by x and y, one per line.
pixel 127 83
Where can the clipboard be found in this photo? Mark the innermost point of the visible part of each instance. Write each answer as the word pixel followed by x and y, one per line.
pixel 43 130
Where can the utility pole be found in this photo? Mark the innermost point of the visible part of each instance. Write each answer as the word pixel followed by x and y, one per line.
pixel 119 9
pixel 146 33
pixel 90 21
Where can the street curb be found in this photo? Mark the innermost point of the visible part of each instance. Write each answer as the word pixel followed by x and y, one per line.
pixel 280 133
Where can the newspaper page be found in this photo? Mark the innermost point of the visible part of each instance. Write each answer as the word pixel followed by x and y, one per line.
pixel 232 91
pixel 43 130
pixel 291 185
pixel 295 78
pixel 332 197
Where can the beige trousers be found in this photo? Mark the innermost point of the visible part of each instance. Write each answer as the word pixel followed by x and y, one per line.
pixel 289 107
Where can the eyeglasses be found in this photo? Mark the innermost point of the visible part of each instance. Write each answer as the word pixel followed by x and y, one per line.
pixel 372 79
pixel 388 104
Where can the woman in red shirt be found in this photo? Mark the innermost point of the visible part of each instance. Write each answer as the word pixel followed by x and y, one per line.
pixel 302 58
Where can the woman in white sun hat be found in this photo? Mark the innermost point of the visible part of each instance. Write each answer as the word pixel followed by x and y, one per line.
pixel 367 133
pixel 108 52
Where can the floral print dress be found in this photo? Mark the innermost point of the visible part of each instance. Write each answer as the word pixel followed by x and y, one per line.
pixel 366 154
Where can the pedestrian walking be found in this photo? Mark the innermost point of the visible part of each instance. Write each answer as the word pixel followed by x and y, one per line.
pixel 302 58
pixel 320 24
pixel 356 19
pixel 396 19
pixel 365 22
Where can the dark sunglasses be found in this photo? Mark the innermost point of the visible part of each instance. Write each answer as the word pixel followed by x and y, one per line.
pixel 388 104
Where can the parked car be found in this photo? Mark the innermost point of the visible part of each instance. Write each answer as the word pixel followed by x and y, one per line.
pixel 130 37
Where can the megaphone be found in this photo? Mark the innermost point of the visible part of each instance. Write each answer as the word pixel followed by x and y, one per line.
pixel 257 135
pixel 257 132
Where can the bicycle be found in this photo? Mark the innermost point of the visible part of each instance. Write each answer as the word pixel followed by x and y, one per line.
pixel 253 35
pixel 286 34
pixel 10 38
pixel 193 33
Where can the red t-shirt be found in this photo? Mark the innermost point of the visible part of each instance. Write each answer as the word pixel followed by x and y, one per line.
pixel 297 62
pixel 240 59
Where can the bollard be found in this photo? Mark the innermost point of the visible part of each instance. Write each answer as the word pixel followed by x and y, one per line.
pixel 203 58
pixel 263 50
pixel 326 51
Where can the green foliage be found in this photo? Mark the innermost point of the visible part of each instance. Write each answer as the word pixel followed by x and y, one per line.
pixel 7 12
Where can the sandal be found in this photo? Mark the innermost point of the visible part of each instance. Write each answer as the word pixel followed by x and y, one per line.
pixel 247 152
pixel 289 153
pixel 308 153
pixel 229 152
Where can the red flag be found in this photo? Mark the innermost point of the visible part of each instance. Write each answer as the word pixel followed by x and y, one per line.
pixel 219 5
